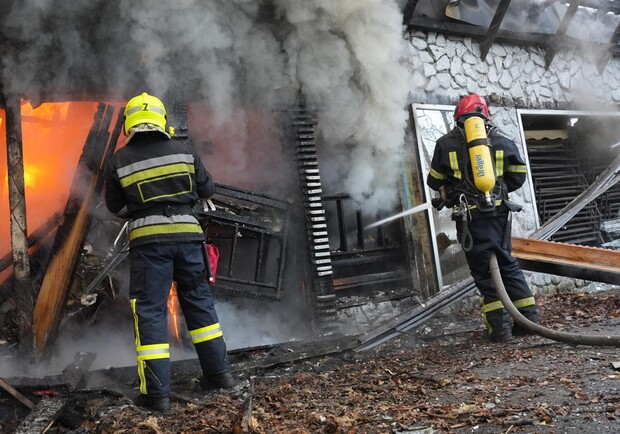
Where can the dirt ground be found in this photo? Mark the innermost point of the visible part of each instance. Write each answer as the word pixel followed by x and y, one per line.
pixel 443 377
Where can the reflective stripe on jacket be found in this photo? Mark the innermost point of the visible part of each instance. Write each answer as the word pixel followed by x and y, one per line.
pixel 150 173
pixel 449 163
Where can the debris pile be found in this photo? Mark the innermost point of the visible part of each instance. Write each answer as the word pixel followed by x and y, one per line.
pixel 443 377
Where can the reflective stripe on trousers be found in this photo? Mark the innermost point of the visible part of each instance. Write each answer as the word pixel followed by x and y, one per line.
pixel 153 267
pixel 495 317
pixel 146 352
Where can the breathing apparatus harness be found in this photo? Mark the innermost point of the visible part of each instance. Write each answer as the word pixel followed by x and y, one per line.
pixel 461 215
pixel 483 190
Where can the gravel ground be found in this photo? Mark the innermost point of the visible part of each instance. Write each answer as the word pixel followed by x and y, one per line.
pixel 441 378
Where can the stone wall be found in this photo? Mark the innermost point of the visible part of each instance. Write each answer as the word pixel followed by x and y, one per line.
pixel 444 68
pixel 512 77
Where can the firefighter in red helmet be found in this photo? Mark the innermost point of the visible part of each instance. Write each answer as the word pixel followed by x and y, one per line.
pixel 154 181
pixel 475 167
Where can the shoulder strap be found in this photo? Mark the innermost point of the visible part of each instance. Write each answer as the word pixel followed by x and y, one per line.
pixel 492 132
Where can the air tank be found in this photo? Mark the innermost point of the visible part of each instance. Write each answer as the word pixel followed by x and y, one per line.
pixel 480 156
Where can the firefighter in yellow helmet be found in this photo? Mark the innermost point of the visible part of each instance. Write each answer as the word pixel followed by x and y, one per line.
pixel 154 182
pixel 474 167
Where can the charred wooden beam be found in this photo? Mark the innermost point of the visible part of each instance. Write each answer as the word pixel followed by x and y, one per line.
pixel 35 238
pixel 35 241
pixel 70 236
pixel 17 395
pixel 553 44
pixel 486 43
pixel 23 290
pixel 42 418
pixel 360 229
pixel 409 9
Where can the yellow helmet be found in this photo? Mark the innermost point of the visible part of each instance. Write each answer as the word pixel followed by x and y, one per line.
pixel 144 109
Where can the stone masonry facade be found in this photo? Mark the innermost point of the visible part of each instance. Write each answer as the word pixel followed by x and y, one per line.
pixel 444 68
pixel 512 77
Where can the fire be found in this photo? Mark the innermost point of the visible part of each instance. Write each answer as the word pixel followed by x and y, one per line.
pixel 30 177
pixel 53 136
pixel 174 311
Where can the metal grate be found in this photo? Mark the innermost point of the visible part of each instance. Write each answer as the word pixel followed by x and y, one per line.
pixel 370 260
pixel 558 179
pixel 249 230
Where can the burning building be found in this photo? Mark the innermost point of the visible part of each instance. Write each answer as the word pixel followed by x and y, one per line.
pixel 231 76
pixel 316 119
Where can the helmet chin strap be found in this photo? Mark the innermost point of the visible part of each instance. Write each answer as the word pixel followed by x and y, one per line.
pixel 145 128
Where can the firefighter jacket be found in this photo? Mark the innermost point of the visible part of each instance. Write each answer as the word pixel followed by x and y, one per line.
pixel 450 168
pixel 155 181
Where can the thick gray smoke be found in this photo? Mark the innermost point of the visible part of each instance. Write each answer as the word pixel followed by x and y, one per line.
pixel 347 56
pixel 344 55
pixel 239 60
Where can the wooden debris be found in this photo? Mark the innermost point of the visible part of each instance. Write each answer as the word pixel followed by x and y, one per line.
pixel 249 422
pixel 70 236
pixel 21 398
pixel 41 419
pixel 584 262
pixel 23 292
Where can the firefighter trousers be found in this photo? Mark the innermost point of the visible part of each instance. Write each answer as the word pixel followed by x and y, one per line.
pixel 492 234
pixel 153 267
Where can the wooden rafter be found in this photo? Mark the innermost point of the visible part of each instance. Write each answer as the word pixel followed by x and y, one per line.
pixel 493 34
pixel 408 11
pixel 553 43
pixel 488 39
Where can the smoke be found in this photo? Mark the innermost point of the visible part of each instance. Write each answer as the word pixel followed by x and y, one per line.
pixel 264 323
pixel 236 55
pixel 347 56
pixel 238 60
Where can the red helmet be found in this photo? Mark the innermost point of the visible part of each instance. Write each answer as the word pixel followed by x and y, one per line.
pixel 471 104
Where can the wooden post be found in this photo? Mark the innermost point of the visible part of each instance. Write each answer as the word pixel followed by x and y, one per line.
pixel 24 294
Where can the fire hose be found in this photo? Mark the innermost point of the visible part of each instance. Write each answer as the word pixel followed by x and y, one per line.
pixel 555 335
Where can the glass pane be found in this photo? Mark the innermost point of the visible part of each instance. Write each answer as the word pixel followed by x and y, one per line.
pixel 432 123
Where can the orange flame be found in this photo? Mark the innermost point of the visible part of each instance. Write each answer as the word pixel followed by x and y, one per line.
pixel 174 313
pixel 53 136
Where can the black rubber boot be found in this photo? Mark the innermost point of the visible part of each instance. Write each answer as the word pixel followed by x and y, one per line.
pixel 220 381
pixel 502 337
pixel 159 404
pixel 517 330
pixel 499 326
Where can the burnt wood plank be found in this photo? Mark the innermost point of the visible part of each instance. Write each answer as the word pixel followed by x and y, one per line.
pixel 69 239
